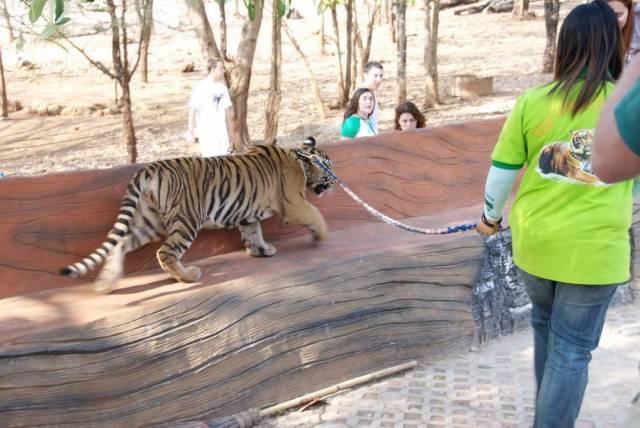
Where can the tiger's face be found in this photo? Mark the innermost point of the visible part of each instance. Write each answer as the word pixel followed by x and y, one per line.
pixel 320 175
pixel 581 144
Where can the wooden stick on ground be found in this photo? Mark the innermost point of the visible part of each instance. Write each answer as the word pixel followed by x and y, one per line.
pixel 337 387
pixel 252 416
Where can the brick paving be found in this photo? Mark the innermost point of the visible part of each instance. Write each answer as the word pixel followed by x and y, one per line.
pixel 492 387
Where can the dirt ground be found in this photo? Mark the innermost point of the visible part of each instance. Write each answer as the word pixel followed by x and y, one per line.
pixel 483 44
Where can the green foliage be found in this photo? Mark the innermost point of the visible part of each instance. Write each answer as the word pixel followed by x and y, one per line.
pixel 251 9
pixel 35 11
pixel 49 31
pixel 20 42
pixel 59 10
pixel 57 7
pixel 327 4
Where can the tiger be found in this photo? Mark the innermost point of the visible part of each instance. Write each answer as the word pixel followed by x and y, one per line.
pixel 571 160
pixel 172 200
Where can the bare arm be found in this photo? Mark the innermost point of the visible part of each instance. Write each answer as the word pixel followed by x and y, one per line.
pixel 611 158
pixel 191 125
pixel 231 129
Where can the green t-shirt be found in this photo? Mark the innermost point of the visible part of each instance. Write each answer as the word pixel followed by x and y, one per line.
pixel 355 127
pixel 627 114
pixel 567 225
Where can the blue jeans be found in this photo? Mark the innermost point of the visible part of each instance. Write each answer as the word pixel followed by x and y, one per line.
pixel 567 321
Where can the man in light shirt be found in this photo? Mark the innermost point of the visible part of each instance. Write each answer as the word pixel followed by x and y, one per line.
pixel 373 75
pixel 210 115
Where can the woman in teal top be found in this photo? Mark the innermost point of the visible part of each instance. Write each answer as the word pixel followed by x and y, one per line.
pixel 357 121
pixel 570 230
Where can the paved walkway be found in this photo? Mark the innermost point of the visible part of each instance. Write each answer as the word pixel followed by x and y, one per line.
pixel 493 387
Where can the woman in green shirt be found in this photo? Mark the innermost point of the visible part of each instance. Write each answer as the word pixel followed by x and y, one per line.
pixel 570 230
pixel 357 117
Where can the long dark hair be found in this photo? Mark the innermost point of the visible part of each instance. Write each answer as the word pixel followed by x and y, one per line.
pixel 409 107
pixel 352 107
pixel 590 43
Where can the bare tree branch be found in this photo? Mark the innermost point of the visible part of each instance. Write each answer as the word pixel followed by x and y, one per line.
pixel 93 62
pixel 142 32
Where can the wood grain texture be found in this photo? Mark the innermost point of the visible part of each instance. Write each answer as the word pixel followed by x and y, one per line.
pixel 264 337
pixel 51 221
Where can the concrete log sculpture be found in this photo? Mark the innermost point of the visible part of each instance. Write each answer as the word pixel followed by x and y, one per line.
pixel 253 332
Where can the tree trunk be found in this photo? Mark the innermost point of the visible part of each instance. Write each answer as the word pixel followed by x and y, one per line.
pixel 387 8
pixel 198 17
pixel 7 19
pixel 551 15
pixel 334 18
pixel 349 54
pixel 393 24
pixel 147 23
pixel 273 103
pixel 402 52
pixel 3 87
pixel 120 59
pixel 367 47
pixel 312 76
pixel 520 9
pixel 139 13
pixel 431 21
pixel 127 122
pixel 241 74
pixel 357 44
pixel 323 48
pixel 223 28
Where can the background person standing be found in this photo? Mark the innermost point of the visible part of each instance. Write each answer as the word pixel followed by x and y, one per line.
pixel 373 75
pixel 210 115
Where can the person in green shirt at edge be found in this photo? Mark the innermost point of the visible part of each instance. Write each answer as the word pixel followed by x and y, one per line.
pixel 357 117
pixel 616 150
pixel 570 230
pixel 616 145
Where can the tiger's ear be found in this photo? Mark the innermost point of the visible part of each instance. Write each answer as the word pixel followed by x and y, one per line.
pixel 309 142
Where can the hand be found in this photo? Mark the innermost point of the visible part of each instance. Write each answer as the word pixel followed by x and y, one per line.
pixel 488 227
pixel 190 136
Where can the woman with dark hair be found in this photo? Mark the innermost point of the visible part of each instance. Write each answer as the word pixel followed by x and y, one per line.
pixel 569 229
pixel 408 117
pixel 357 118
pixel 626 17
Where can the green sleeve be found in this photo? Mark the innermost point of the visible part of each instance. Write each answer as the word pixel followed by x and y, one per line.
pixel 627 114
pixel 511 150
pixel 350 127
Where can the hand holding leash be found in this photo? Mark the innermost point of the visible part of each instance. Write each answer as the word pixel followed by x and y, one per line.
pixel 488 227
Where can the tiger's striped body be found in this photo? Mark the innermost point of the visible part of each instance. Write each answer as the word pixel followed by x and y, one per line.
pixel 175 199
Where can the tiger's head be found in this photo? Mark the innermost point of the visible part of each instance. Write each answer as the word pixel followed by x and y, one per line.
pixel 317 166
pixel 581 144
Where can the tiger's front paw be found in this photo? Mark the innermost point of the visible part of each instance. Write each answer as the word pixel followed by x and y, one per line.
pixel 266 250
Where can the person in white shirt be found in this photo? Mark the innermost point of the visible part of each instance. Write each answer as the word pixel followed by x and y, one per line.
pixel 210 115
pixel 373 75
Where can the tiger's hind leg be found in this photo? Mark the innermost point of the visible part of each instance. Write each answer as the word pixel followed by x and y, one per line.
pixel 113 267
pixel 254 242
pixel 305 214
pixel 179 239
pixel 146 227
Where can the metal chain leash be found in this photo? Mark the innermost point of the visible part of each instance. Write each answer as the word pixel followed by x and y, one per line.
pixel 386 219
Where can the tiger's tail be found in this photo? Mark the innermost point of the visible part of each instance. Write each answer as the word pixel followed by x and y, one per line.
pixel 118 232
